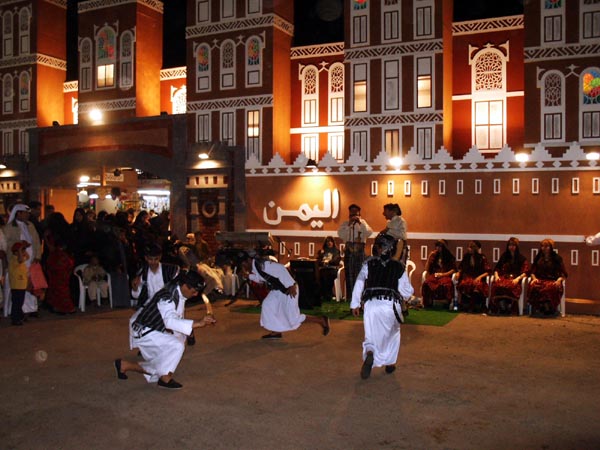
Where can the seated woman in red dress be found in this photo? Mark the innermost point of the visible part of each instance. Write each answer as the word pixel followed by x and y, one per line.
pixel 440 266
pixel 510 270
pixel 547 274
pixel 472 286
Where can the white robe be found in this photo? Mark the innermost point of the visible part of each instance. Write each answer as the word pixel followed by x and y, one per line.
pixel 382 330
pixel 279 312
pixel 162 352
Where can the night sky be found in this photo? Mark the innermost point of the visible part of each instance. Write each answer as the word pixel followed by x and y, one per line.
pixel 316 22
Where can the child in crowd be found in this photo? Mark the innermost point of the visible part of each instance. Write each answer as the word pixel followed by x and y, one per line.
pixel 18 276
pixel 94 277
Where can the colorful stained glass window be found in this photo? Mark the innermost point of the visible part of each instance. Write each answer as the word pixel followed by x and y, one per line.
pixel 254 52
pixel 552 4
pixel 591 87
pixel 360 4
pixel 202 58
pixel 24 85
pixel 106 44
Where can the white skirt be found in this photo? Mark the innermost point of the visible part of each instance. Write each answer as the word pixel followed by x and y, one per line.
pixel 280 312
pixel 382 332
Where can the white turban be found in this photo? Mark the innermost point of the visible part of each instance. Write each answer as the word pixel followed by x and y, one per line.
pixel 18 207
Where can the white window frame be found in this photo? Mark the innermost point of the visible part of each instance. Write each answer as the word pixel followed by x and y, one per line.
pixel 203 78
pixel 589 115
pixel 8 143
pixel 24 31
pixel 227 123
pixel 85 67
pixel 126 62
pixel 555 114
pixel 336 94
pixel 360 81
pixel 423 19
pixel 227 10
pixel 360 143
pixel 424 68
pixel 227 78
pixel 253 133
pixel 8 91
pixel 425 140
pixel 25 100
pixel 24 143
pixel 253 7
pixel 105 67
pixel 202 11
pixel 335 146
pixel 391 22
pixel 552 25
pixel 203 127
pixel 254 72
pixel 310 146
pixel 310 97
pixel 359 23
pixel 390 89
pixel 392 141
pixel 7 34
pixel 589 18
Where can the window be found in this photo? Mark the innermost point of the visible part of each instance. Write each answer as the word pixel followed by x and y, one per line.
pixel 253 62
pixel 590 20
pixel 360 87
pixel 203 68
pixel 7 142
pixel 228 127
pixel 75 110
pixel 552 97
pixel 552 21
pixel 336 94
pixel 336 146
pixel 227 9
pixel 7 34
pixel 310 96
pixel 424 140
pixel 228 65
pixel 179 99
pixel 391 142
pixel 203 127
pixel 423 19
pixel 24 91
pixel 424 88
pixel 360 144
pixel 85 65
pixel 7 94
pixel 24 30
pixel 126 62
pixel 590 104
pixel 310 146
pixel 360 21
pixel 253 7
pixel 253 134
pixel 106 42
pixel 24 143
pixel 202 11
pixel 489 125
pixel 391 20
pixel 391 85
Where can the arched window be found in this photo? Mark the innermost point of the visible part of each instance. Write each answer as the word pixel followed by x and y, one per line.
pixel 75 110
pixel 590 104
pixel 24 91
pixel 24 30
pixel 85 65
pixel 488 92
pixel 310 96
pixel 553 106
pixel 179 99
pixel 253 62
pixel 7 34
pixel 126 60
pixel 228 65
pixel 106 54
pixel 336 94
pixel 7 94
pixel 203 68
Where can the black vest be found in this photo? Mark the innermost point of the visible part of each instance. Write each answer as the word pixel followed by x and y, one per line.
pixel 150 315
pixel 382 280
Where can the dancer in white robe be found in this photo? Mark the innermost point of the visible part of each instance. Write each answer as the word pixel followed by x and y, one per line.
pixel 279 310
pixel 382 284
pixel 159 330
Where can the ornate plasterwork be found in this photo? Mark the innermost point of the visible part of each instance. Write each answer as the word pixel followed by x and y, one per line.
pixel 70 86
pixel 487 25
pixel 49 61
pixel 406 118
pixel 441 162
pixel 173 73
pixel 228 103
pixel 434 46
pixel 108 105
pixel 91 5
pixel 59 3
pixel 238 25
pixel 18 124
pixel 534 54
pixel 317 51
pixel 35 58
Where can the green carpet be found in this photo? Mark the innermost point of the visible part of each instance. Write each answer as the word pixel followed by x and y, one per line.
pixel 341 311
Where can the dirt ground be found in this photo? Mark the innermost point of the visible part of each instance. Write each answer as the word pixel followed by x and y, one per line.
pixel 477 383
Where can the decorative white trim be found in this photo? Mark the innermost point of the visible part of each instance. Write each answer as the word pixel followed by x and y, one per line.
pixel 424 188
pixel 390 188
pixel 317 51
pixel 486 25
pixel 595 257
pixel 108 105
pixel 313 130
pixel 70 86
pixel 15 124
pixel 174 73
pixel 250 23
pixel 575 185
pixel 563 51
pixel 92 5
pixel 430 46
pixel 60 3
pixel 374 188
pixel 228 103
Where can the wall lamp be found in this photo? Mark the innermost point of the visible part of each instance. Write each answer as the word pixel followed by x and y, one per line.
pixel 592 156
pixel 522 157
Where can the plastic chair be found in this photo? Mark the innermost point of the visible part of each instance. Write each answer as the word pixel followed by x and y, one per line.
pixel 78 272
pixel 520 300
pixel 452 305
pixel 339 287
pixel 458 297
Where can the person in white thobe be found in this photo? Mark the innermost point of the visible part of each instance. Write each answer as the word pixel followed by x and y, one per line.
pixel 382 284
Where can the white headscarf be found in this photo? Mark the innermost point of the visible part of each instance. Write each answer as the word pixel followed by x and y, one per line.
pixel 18 207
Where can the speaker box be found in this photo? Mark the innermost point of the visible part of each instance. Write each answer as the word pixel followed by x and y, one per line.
pixel 305 272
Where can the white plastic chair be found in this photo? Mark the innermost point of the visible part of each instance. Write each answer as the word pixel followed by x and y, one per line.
pixel 339 287
pixel 520 300
pixel 78 271
pixel 453 303
pixel 458 297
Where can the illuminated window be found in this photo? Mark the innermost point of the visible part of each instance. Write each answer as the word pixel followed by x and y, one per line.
pixel 24 30
pixel 253 62
pixel 126 60
pixel 391 85
pixel 7 94
pixel 423 19
pixel 75 110
pixel 203 68
pixel 336 94
pixel 310 146
pixel 24 91
pixel 552 97
pixel 202 11
pixel 336 146
pixel 106 75
pixel 590 103
pixel 105 57
pixel 489 126
pixel 228 65
pixel 391 142
pixel 391 20
pixel 552 21
pixel 360 21
pixel 310 96
pixel 424 90
pixel 360 88
pixel 253 134
pixel 179 99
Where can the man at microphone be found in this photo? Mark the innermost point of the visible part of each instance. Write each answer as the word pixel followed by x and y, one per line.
pixel 354 232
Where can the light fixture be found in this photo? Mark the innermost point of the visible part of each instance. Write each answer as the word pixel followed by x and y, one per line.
pixel 94 196
pixel 96 115
pixel 204 155
pixel 396 161
pixel 2 166
pixel 84 178
pixel 522 157
pixel 592 156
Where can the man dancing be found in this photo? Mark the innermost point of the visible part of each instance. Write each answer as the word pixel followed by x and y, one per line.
pixel 159 330
pixel 279 311
pixel 381 286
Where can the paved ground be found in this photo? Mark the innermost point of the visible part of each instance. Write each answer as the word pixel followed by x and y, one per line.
pixel 477 383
